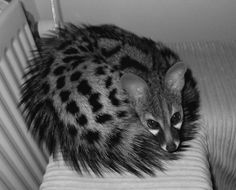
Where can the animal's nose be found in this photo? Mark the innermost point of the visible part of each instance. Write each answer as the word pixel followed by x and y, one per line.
pixel 171 147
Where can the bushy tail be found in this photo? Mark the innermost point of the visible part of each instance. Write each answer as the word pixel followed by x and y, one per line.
pixel 122 151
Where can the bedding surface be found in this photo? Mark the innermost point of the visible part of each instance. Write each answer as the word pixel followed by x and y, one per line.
pixel 191 173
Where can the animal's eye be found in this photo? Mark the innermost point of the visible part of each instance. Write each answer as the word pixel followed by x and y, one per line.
pixel 153 124
pixel 175 119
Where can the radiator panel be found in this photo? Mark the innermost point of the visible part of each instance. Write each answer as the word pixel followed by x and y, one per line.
pixel 22 162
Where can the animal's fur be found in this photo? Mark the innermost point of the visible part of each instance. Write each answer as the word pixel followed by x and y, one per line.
pixel 75 103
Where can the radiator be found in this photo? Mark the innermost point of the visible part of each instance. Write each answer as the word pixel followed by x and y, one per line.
pixel 22 162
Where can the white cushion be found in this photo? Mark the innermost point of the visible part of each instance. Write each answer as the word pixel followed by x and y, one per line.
pixel 190 172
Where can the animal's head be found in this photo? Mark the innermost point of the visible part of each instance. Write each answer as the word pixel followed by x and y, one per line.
pixel 158 104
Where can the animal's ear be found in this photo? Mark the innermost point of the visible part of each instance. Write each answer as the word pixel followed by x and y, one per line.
pixel 135 86
pixel 174 78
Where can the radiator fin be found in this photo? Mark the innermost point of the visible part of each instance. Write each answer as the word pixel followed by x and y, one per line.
pixel 22 162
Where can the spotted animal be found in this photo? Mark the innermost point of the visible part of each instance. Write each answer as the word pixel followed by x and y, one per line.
pixel 109 100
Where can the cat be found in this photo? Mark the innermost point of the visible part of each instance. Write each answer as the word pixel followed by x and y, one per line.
pixel 109 100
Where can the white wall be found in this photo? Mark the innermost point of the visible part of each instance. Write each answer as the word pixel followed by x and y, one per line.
pixel 168 20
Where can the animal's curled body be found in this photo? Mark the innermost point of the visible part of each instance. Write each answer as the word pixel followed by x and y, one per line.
pixel 109 100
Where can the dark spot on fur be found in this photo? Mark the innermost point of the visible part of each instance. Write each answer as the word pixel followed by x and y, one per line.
pixel 113 98
pixel 128 62
pixel 64 95
pixel 75 64
pixel 61 82
pixel 126 101
pixel 75 76
pixel 76 58
pixel 85 39
pixel 49 60
pixel 100 71
pixel 46 71
pixel 82 120
pixel 97 59
pixel 103 118
pixel 121 114
pixel 82 48
pixel 116 67
pixel 110 52
pixel 84 87
pixel 115 138
pixel 70 51
pixel 72 130
pixel 63 45
pixel 72 107
pixel 45 88
pixel 92 136
pixel 94 102
pixel 166 54
pixel 78 61
pixel 90 47
pixel 59 70
pixel 108 81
